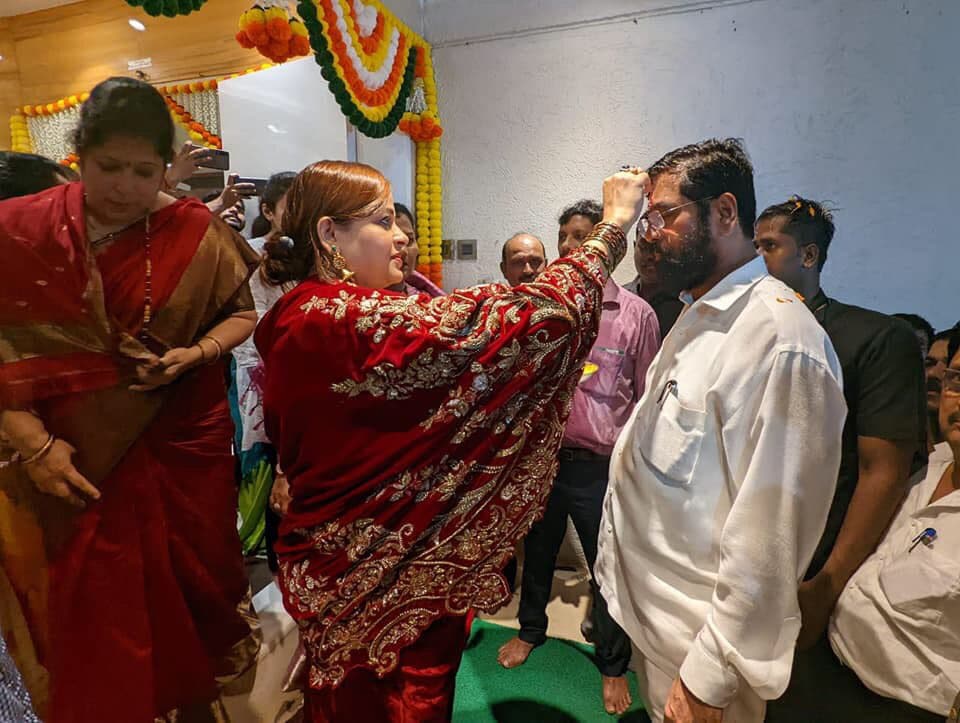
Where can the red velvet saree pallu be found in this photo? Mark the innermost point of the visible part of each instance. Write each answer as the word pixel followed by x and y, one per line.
pixel 420 438
pixel 131 608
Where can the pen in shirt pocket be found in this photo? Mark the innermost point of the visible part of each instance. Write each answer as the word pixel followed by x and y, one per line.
pixel 670 386
pixel 926 537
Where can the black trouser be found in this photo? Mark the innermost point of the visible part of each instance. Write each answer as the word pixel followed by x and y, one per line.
pixel 824 690
pixel 577 492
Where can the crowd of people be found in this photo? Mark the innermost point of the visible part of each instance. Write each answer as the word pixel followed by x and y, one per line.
pixel 762 478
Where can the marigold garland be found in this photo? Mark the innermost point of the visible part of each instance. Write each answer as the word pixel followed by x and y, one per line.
pixel 19 134
pixel 167 8
pixel 381 74
pixel 269 28
pixel 22 141
pixel 56 107
pixel 373 98
pixel 429 202
pixel 71 161
pixel 196 130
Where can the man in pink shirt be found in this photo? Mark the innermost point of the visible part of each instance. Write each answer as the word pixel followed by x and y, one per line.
pixel 612 383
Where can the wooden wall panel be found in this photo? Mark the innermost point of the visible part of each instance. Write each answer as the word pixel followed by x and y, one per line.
pixel 9 80
pixel 69 49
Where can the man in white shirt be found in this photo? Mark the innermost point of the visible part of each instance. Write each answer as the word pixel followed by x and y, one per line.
pixel 897 623
pixel 721 482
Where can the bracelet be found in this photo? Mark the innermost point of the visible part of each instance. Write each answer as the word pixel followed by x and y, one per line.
pixel 40 453
pixel 216 344
pixel 203 352
pixel 609 242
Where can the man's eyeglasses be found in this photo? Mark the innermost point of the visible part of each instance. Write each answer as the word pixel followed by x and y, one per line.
pixel 654 221
pixel 951 382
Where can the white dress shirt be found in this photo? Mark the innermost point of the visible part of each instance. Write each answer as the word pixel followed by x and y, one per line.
pixel 720 486
pixel 897 623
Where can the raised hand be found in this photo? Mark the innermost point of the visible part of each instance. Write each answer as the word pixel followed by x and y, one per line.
pixel 624 195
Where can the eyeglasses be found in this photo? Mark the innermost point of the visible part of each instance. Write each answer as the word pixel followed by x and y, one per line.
pixel 654 221
pixel 951 382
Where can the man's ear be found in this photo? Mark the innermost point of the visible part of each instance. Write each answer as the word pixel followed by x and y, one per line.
pixel 728 217
pixel 810 256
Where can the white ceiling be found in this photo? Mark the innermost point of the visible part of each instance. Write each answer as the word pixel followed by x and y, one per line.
pixel 19 7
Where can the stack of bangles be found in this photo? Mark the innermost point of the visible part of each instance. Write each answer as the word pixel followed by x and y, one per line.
pixel 203 351
pixel 33 458
pixel 609 242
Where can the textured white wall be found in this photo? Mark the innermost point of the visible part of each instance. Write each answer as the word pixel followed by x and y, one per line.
pixel 855 101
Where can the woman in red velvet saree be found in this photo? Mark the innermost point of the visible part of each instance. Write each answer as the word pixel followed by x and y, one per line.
pixel 127 605
pixel 419 436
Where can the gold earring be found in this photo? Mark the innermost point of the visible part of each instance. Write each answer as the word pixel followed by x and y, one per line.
pixel 340 266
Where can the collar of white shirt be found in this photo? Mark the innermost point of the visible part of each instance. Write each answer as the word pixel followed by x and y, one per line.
pixel 940 458
pixel 731 287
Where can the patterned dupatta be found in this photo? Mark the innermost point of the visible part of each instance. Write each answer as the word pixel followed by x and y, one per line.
pixel 420 437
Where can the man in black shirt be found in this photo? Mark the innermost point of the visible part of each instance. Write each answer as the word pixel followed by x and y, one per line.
pixel 665 305
pixel 883 384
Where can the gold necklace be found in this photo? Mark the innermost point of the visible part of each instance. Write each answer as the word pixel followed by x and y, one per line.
pixel 144 334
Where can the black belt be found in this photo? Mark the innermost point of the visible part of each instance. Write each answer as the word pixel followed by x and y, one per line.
pixel 578 454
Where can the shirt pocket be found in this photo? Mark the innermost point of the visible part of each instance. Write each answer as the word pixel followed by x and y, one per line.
pixel 672 438
pixel 921 584
pixel 604 382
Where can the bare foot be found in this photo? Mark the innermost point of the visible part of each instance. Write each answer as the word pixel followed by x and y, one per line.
pixel 513 653
pixel 616 695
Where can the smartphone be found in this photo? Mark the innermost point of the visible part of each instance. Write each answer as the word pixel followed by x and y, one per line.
pixel 218 160
pixel 260 183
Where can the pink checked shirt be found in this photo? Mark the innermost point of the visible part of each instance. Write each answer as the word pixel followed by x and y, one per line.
pixel 629 338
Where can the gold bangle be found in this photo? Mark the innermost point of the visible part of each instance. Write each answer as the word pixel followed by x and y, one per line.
pixel 598 246
pixel 203 351
pixel 609 242
pixel 216 344
pixel 40 453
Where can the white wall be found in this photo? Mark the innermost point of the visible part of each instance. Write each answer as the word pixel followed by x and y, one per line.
pixel 855 101
pixel 270 125
pixel 395 157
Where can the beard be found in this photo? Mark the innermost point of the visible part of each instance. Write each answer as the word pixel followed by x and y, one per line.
pixel 689 266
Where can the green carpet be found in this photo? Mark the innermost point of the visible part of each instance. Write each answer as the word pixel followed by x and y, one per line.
pixel 558 684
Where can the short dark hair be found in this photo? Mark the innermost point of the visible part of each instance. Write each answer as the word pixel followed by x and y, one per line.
pixel 941 335
pixel 918 323
pixel 260 227
pixel 404 211
pixel 953 345
pixel 584 207
pixel 503 249
pixel 127 107
pixel 276 188
pixel 711 168
pixel 22 174
pixel 809 222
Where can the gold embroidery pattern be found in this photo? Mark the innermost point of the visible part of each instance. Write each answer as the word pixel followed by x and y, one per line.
pixel 509 399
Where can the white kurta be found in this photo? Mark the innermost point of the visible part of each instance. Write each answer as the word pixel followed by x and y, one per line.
pixel 719 490
pixel 897 623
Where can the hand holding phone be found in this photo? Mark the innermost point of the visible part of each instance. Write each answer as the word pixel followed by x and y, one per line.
pixel 235 190
pixel 216 159
pixel 189 158
pixel 258 183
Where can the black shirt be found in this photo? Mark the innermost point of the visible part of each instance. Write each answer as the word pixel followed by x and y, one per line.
pixel 884 386
pixel 666 306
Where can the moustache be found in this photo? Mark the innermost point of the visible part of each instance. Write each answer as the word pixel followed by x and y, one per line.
pixel 954 418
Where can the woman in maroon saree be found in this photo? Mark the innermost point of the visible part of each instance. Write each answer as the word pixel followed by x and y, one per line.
pixel 419 436
pixel 123 586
